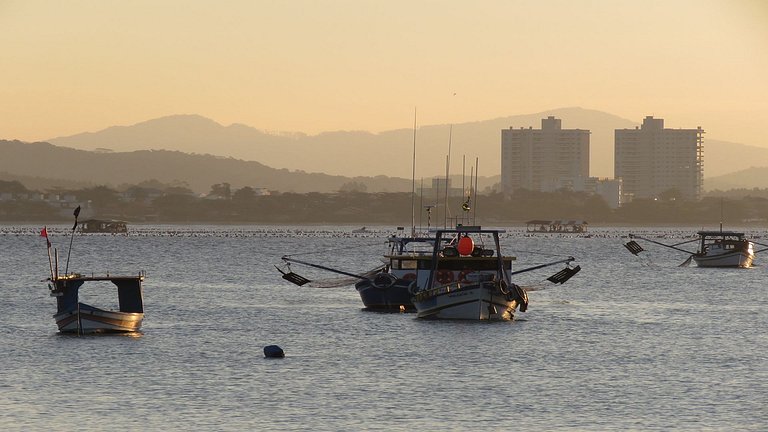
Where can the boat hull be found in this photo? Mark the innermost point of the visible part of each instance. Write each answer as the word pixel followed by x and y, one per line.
pixel 385 297
pixel 88 319
pixel 482 301
pixel 732 259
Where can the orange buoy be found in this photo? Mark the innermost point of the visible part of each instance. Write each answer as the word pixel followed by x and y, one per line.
pixel 465 246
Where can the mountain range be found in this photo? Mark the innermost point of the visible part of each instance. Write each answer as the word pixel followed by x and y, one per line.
pixel 201 152
pixel 65 165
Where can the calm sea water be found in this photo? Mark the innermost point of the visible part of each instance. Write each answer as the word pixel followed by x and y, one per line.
pixel 627 344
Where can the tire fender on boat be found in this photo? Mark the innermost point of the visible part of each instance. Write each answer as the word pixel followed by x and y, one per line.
pixel 413 288
pixel 463 275
pixel 504 288
pixel 444 276
pixel 383 280
pixel 521 296
pixel 450 251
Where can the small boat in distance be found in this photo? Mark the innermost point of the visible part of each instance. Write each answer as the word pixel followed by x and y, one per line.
pixel 104 226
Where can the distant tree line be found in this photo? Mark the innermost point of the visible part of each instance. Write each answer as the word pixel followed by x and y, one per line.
pixel 150 202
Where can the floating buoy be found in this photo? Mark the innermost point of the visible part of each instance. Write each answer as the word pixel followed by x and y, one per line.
pixel 465 246
pixel 273 351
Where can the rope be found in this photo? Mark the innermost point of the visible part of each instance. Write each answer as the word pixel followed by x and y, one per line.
pixel 325 251
pixel 539 253
pixel 340 281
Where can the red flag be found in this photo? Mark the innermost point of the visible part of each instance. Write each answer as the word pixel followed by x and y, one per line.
pixel 44 233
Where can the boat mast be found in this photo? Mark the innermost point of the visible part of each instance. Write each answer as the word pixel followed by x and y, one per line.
pixel 413 179
pixel 463 177
pixel 474 206
pixel 721 214
pixel 421 203
pixel 447 169
pixel 71 237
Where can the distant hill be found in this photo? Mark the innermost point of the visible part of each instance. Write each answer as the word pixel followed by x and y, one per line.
pixel 352 153
pixel 78 167
pixel 750 178
pixel 40 183
pixel 722 157
pixel 358 153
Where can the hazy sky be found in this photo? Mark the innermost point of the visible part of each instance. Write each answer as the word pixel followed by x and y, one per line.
pixel 312 66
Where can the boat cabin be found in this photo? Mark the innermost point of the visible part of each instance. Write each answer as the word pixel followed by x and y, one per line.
pixel 719 242
pixel 459 260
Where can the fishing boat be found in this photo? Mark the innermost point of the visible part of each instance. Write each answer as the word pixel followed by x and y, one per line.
pixel 73 316
pixel 472 281
pixel 715 249
pixel 406 266
pixel 386 288
pixel 724 249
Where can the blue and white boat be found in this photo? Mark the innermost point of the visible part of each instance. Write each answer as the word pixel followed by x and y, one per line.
pixel 470 278
pixel 73 316
pixel 467 281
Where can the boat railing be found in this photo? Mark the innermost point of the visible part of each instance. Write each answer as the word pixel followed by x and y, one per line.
pixel 445 289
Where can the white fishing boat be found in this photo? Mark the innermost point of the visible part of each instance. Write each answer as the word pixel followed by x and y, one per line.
pixel 715 249
pixel 470 279
pixel 724 249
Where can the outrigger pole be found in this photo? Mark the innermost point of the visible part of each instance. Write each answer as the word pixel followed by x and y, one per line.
pixel 289 259
pixel 567 260
pixel 559 277
pixel 635 248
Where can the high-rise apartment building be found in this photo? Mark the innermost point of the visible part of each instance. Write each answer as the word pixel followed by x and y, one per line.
pixel 534 158
pixel 651 160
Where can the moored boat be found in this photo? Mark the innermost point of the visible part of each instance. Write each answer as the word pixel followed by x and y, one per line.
pixel 471 282
pixel 724 249
pixel 407 266
pixel 715 249
pixel 72 316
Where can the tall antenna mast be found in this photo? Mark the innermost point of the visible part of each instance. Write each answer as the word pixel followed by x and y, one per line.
pixel 474 208
pixel 721 214
pixel 421 203
pixel 413 179
pixel 463 187
pixel 447 169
